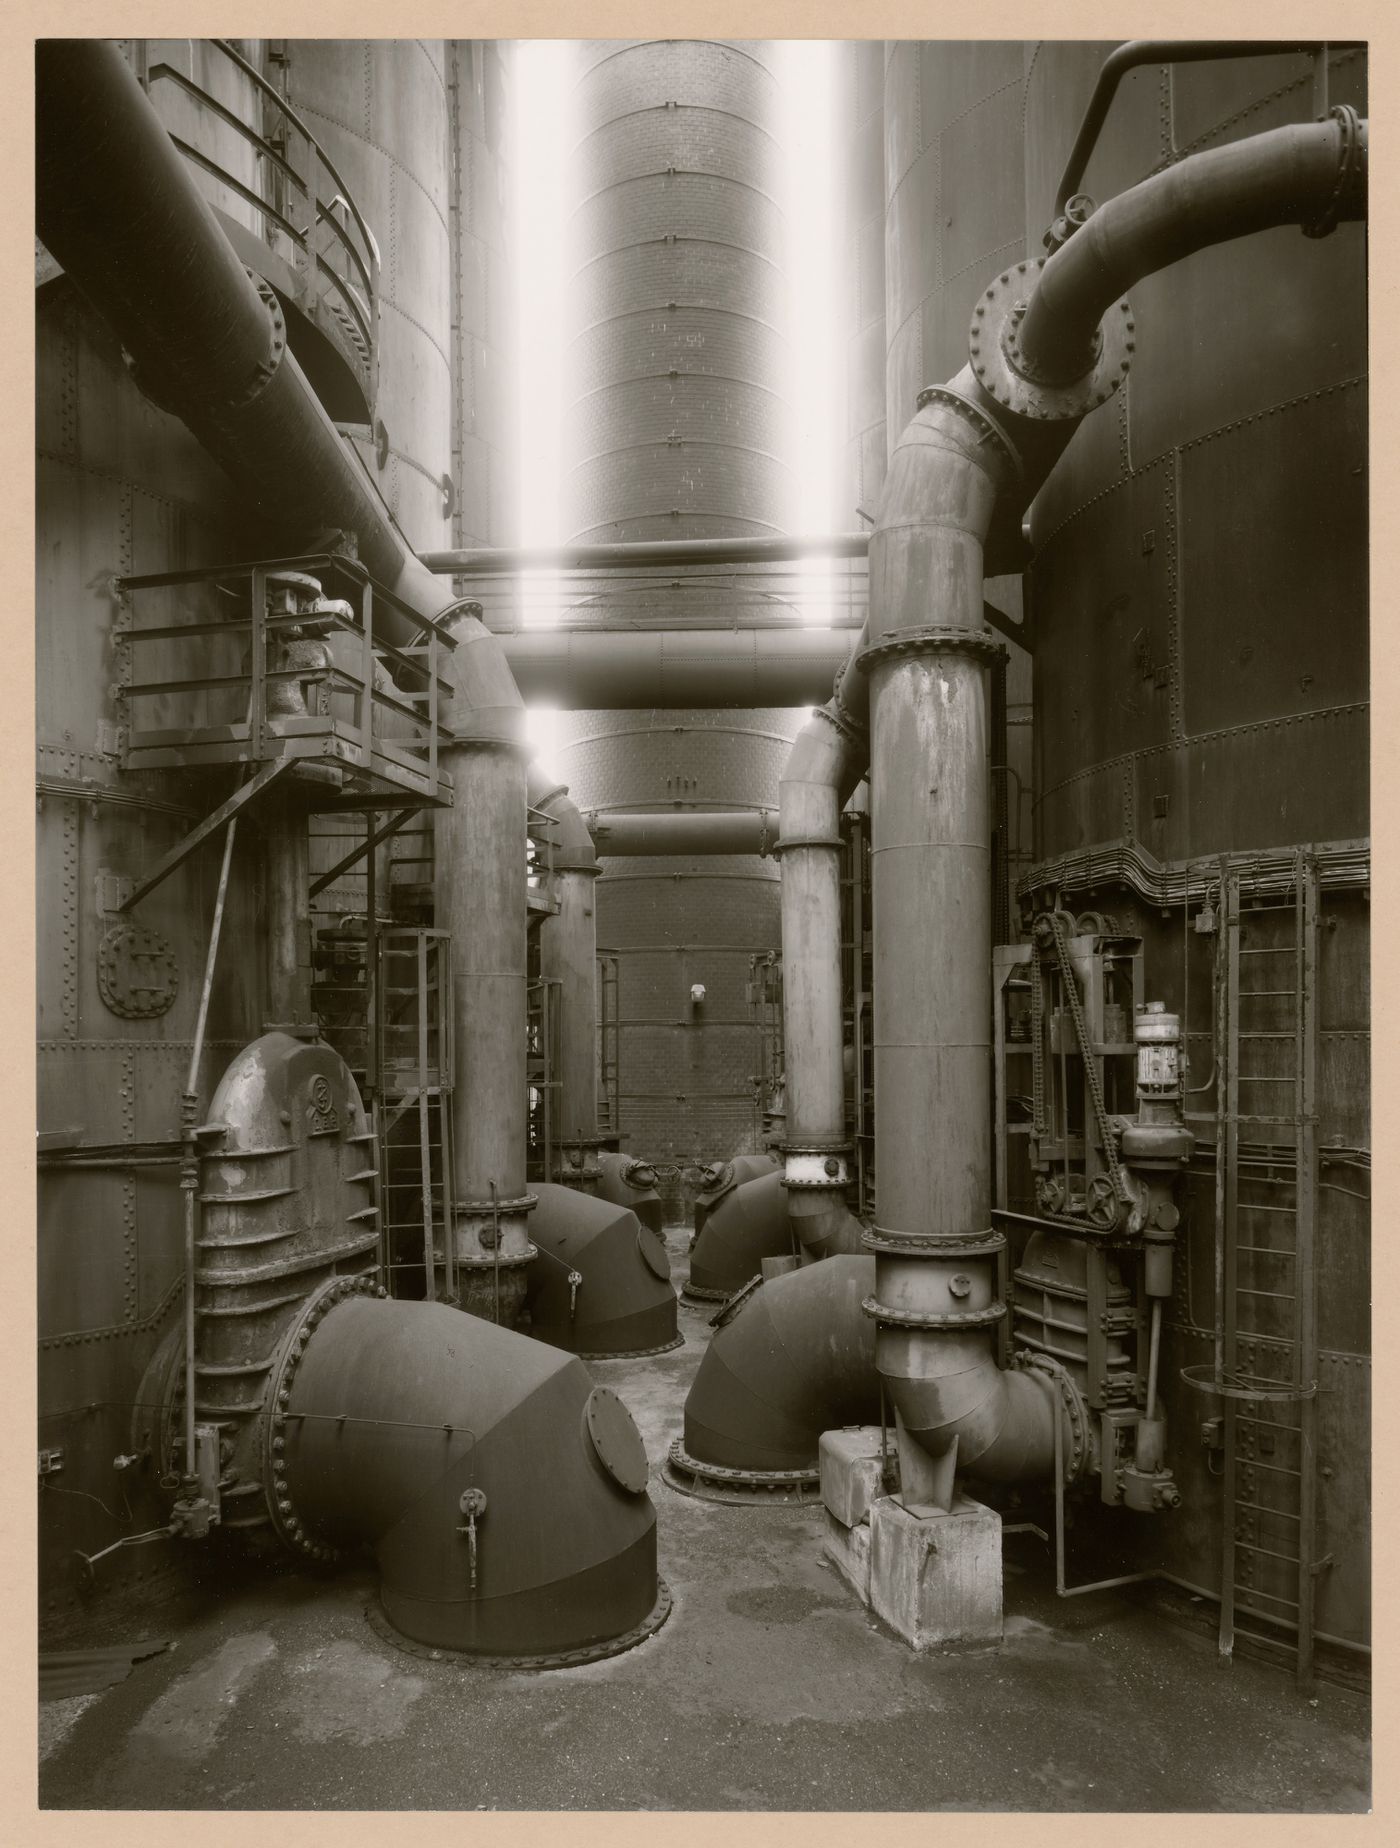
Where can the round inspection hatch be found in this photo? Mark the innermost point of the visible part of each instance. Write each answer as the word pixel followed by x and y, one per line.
pixel 616 1441
pixel 653 1249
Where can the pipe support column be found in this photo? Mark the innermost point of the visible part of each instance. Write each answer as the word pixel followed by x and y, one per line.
pixel 569 956
pixel 826 761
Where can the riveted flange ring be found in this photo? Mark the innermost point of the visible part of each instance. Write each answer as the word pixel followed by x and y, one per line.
pixel 262 376
pixel 987 428
pixel 905 1245
pixel 560 1658
pixel 285 1520
pixel 932 1318
pixel 935 639
pixel 732 1487
pixel 1058 1379
pixel 1006 375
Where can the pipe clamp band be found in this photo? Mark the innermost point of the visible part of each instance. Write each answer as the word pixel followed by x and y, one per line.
pixel 488 1209
pixel 935 640
pixel 1348 165
pixel 925 1318
pixel 994 352
pixel 905 1245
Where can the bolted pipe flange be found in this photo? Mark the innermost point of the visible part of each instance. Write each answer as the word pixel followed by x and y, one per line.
pixel 1012 378
pixel 1056 1378
pixel 987 428
pixel 819 1167
pixel 954 1319
pixel 935 639
pixel 908 1245
pixel 1351 167
pixel 732 1487
pixel 276 1488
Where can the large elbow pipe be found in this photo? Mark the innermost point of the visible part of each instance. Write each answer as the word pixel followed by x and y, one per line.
pixel 748 1225
pixel 118 207
pixel 604 1286
pixel 1313 174
pixel 502 1494
pixel 797 1359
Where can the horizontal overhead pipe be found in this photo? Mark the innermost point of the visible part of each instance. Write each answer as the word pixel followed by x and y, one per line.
pixel 587 669
pixel 1312 174
pixel 683 831
pixel 119 208
pixel 1139 52
pixel 491 561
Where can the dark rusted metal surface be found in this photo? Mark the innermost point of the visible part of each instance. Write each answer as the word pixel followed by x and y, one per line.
pixel 601 1284
pixel 749 1224
pixel 796 1360
pixel 398 1411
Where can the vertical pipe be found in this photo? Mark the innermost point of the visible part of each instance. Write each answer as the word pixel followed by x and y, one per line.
pixel 481 898
pixel 189 1170
pixel 823 767
pixel 286 877
pixel 569 958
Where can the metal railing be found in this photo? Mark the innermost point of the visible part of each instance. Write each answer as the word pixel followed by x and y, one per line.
pixel 308 214
pixel 311 682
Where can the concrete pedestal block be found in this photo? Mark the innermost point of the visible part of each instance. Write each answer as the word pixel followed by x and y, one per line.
pixel 848 1549
pixel 849 1461
pixel 935 1575
pixel 777 1267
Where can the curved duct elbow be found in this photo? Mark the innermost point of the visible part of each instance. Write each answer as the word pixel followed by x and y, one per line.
pixel 503 1496
pixel 628 1182
pixel 721 1178
pixel 749 1224
pixel 796 1360
pixel 602 1283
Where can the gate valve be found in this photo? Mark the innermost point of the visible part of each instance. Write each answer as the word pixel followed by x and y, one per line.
pixel 473 1505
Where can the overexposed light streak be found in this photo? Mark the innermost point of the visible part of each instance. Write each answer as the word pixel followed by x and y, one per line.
pixel 816 387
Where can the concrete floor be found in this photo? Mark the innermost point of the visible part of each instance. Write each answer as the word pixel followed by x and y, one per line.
pixel 770 1688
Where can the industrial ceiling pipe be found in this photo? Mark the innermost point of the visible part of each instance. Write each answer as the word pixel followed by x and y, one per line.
pixel 621 834
pixel 119 208
pixel 828 758
pixel 962 474
pixel 580 669
pixel 492 561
